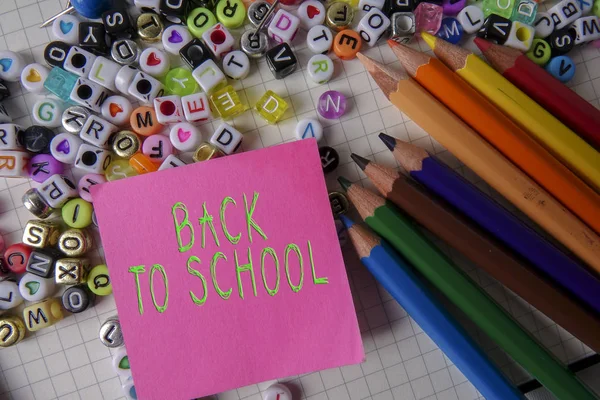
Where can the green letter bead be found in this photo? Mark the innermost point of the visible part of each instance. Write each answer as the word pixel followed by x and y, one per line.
pixel 596 8
pixel 503 8
pixel 77 213
pixel 180 81
pixel 540 52
pixel 231 13
pixel 199 20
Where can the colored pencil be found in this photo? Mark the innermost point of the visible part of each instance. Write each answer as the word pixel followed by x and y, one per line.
pixel 481 249
pixel 573 151
pixel 441 272
pixel 397 277
pixel 502 133
pixel 452 133
pixel 549 92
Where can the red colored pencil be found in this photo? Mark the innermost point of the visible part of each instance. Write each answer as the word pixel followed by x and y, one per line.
pixel 559 100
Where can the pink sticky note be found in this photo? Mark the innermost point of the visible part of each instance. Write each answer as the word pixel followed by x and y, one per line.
pixel 204 338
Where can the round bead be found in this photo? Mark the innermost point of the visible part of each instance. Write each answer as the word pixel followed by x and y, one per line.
pixel 329 158
pixel 185 137
pixel 77 299
pixel 277 391
pixel 121 362
pixel 231 13
pixel 16 331
pixel 33 77
pixel 86 182
pixel 471 19
pixel 66 29
pixel 199 21
pixel 75 242
pixel 311 13
pixel 319 39
pixel 47 112
pixel 11 65
pixel 43 166
pixel 309 128
pixel 99 281
pixel 73 118
pixel 450 30
pixel 332 104
pixel 339 203
pixel 35 288
pixel 339 15
pixel 129 389
pixel 125 51
pixel 154 62
pixel 119 169
pixel 64 147
pixel 36 204
pixel 562 68
pixel 142 164
pixel 236 65
pixel 320 68
pixel 77 213
pixel 149 27
pixel 157 148
pixel 254 45
pixel 37 139
pixel 9 292
pixel 117 110
pixel 150 125
pixel 544 24
pixel 110 333
pixel 125 144
pixel 540 52
pixel 181 82
pixel 347 44
pixel 207 151
pixel 174 38
pixel 125 77
pixel 257 11
pixel 596 8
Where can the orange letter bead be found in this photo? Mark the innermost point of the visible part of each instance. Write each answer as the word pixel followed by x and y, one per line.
pixel 144 122
pixel 346 44
pixel 142 164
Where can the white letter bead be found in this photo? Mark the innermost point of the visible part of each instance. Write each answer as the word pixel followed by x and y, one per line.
pixel 309 128
pixel 154 62
pixel 319 39
pixel 145 88
pixel 320 68
pixel 36 288
pixel 104 72
pixel 93 159
pixel 587 29
pixel 171 162
pixel 121 367
pixel 57 189
pixel 564 13
pixel 185 137
pixel 226 138
pixel 47 112
pixel 219 40
pixel 544 25
pixel 117 110
pixel 208 75
pixel 124 78
pixel 8 137
pixel 10 296
pixel 11 66
pixel 236 65
pixel 97 131
pixel 196 107
pixel 311 13
pixel 33 77
pixel 66 29
pixel 520 36
pixel 88 94
pixel 283 26
pixel 471 18
pixel 64 147
pixel 175 37
pixel 79 61
pixel 277 391
pixel 372 26
pixel 14 163
pixel 168 109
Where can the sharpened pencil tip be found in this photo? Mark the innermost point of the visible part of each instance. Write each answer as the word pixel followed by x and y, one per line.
pixel 483 45
pixel 344 182
pixel 346 221
pixel 429 39
pixel 360 161
pixel 389 141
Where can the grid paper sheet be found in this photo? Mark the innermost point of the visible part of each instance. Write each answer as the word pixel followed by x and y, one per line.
pixel 67 360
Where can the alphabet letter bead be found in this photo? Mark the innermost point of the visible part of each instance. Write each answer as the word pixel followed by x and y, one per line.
pixel 254 44
pixel 226 103
pixel 60 83
pixel 185 137
pixel 540 52
pixel 110 333
pixel 35 288
pixel 98 281
pixel 320 68
pixel 143 121
pixel 40 234
pixel 77 299
pixel 117 110
pixel 11 65
pixel 311 13
pixel 587 29
pixel 70 271
pixel 366 5
pixel 207 151
pixel 125 77
pixel 10 296
pixel 561 41
pixel 42 315
pixel 12 331
pixel 157 148
pixel 119 169
pixel 329 159
pixel 118 23
pixel 121 361
pixel 218 40
pixel 79 61
pixel 428 17
pixel 77 213
pixel 73 119
pixel 145 88
pixel 278 391
pixel 149 27
pixel 75 242
pixel 347 44
pixel 525 12
pixel 283 27
pixel 503 8
pixel 196 107
pixel 175 37
pixel 41 263
pixel 372 26
pixel 36 205
pixel 16 257
pixel 544 25
pixel 154 62
pixel 57 189
pixel 171 162
pixel 125 144
pixel 55 53
pixel 36 139
pixel 92 36
pixel 257 11
pixel 47 112
pixel 319 39
pixel 168 109
pixel 332 104
pixel 97 131
pixel 42 166
pixel 564 13
pixel 8 137
pixel 13 163
pixel 231 13
pixel 66 29
pixel 451 30
pixel 271 107
pixel 209 76
pixel 174 10
pixel 309 128
pixel 104 72
pixel 471 19
pixel 452 7
pixel 281 60
pixel 86 182
pixel 33 77
pixel 520 37
pixel 226 138
pixel 88 94
pixel 339 15
pixel 236 65
pixel 64 147
pixel 495 29
pixel 181 82
pixel 92 159
pixel 562 68
pixel 195 53
pixel 125 51
pixel 142 164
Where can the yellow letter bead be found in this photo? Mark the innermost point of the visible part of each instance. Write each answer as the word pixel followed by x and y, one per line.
pixel 119 169
pixel 70 271
pixel 142 164
pixel 40 234
pixel 207 151
pixel 75 242
pixel 12 331
pixel 42 315
pixel 271 107
pixel 226 103
pixel 77 213
pixel 125 144
pixel 98 281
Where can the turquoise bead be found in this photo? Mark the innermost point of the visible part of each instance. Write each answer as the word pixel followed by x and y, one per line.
pixel 60 83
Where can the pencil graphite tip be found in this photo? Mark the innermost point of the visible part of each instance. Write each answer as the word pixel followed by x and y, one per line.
pixel 346 221
pixel 344 182
pixel 483 44
pixel 360 161
pixel 389 141
pixel 429 39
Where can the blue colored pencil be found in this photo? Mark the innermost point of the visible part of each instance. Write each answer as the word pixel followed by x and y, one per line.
pixel 397 277
pixel 491 216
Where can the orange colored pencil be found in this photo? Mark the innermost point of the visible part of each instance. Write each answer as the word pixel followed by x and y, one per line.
pixel 502 133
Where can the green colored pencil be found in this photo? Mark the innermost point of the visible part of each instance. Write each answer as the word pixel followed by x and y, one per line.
pixel 405 237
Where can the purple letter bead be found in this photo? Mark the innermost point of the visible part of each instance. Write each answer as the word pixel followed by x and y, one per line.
pixel 332 104
pixel 453 7
pixel 43 166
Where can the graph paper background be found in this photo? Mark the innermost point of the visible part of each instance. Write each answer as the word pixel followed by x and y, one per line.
pixel 67 360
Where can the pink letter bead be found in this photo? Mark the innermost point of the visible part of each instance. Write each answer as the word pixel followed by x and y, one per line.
pixel 283 27
pixel 86 182
pixel 428 17
pixel 332 104
pixel 185 137
pixel 157 148
pixel 43 166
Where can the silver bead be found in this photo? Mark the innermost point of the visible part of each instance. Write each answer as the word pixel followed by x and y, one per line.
pixel 110 333
pixel 257 11
pixel 403 27
pixel 73 118
pixel 35 203
pixel 254 44
pixel 125 51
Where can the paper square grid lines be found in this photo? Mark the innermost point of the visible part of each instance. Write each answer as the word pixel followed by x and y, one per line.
pixel 67 361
